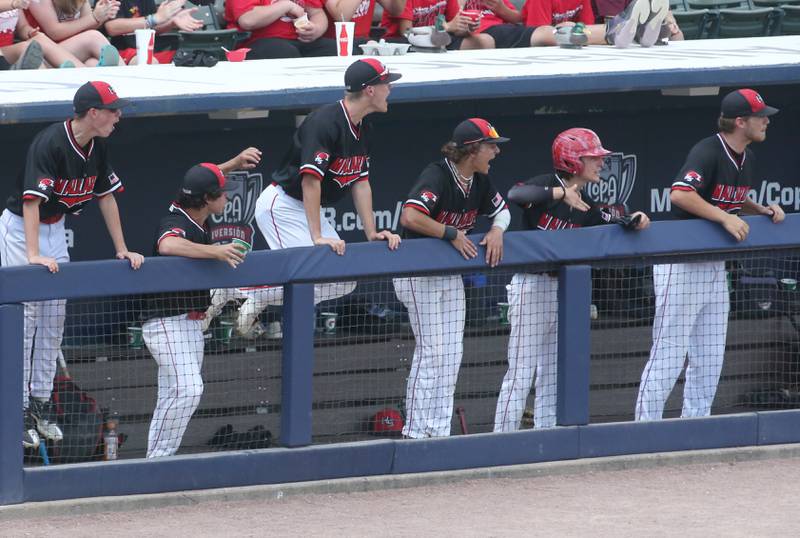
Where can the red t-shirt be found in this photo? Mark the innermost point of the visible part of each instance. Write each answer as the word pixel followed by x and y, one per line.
pixel 489 18
pixel 362 17
pixel 420 13
pixel 282 27
pixel 552 12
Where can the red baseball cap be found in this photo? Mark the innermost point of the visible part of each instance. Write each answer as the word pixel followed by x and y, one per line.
pixel 387 421
pixel 745 102
pixel 97 94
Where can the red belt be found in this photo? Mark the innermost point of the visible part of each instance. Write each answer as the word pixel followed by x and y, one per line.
pixel 51 220
pixel 196 315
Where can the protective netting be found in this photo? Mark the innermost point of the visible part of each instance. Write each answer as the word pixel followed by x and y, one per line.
pixel 421 356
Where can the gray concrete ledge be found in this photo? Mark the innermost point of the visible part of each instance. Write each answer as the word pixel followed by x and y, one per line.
pixel 276 492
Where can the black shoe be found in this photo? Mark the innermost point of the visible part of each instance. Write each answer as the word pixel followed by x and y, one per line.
pixel 45 418
pixel 30 439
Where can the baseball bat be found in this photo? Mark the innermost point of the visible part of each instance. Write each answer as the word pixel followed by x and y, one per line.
pixel 462 418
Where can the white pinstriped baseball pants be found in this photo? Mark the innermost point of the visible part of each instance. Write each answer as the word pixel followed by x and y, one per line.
pixel 436 311
pixel 176 344
pixel 692 306
pixel 44 320
pixel 532 350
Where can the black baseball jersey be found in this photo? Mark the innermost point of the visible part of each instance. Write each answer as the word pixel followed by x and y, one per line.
pixel 718 174
pixel 557 214
pixel 161 305
pixel 329 147
pixel 439 195
pixel 63 174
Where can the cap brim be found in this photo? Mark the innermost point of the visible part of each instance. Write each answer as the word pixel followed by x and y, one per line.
pixel 392 77
pixel 498 140
pixel 766 111
pixel 603 152
pixel 116 105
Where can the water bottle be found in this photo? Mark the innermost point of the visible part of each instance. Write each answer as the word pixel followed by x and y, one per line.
pixel 110 440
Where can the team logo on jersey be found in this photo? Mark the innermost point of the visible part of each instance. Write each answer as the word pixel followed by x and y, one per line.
pixel 45 184
pixel 321 158
pixel 428 197
pixel 617 179
pixel 236 222
pixel 693 178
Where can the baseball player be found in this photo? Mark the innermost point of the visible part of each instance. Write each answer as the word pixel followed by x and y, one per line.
pixel 173 334
pixel 553 201
pixel 67 166
pixel 444 203
pixel 329 155
pixel 692 301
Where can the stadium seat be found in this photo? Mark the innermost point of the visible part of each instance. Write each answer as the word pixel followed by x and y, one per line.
pixel 790 23
pixel 693 23
pixel 744 22
pixel 677 5
pixel 775 3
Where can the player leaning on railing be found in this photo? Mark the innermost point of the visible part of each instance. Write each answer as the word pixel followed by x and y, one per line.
pixel 445 203
pixel 692 301
pixel 552 201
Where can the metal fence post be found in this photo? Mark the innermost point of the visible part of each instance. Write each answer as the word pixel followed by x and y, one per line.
pixel 574 344
pixel 298 364
pixel 11 353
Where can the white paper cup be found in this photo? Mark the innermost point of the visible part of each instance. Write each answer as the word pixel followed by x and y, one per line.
pixel 145 41
pixel 344 38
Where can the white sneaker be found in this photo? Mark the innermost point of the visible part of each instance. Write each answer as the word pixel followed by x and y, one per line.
pixel 650 30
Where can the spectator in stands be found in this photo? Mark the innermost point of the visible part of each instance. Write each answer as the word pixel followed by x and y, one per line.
pixel 67 167
pixel 281 29
pixel 501 21
pixel 445 203
pixel 33 47
pixel 606 9
pixel 461 30
pixel 361 12
pixel 73 25
pixel 620 31
pixel 138 14
pixel 551 201
pixel 173 333
pixel 692 299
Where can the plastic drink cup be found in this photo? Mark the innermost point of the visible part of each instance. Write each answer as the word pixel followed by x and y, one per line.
pixel 223 332
pixel 789 284
pixel 145 41
pixel 344 38
pixel 242 245
pixel 135 338
pixel 503 310
pixel 328 322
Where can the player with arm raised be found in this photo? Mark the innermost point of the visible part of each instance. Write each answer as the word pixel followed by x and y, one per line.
pixel 692 301
pixel 552 201
pixel 444 204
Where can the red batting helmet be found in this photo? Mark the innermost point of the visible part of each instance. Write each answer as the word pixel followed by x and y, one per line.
pixel 571 145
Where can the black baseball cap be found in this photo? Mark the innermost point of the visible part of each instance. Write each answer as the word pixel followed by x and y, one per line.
pixel 476 130
pixel 745 102
pixel 97 94
pixel 204 178
pixel 367 72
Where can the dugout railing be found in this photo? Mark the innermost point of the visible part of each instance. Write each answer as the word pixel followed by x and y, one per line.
pixel 573 251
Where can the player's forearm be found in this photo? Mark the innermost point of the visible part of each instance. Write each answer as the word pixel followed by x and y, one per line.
pixel 30 217
pixel 534 194
pixel 753 208
pixel 362 199
pixel 413 220
pixel 178 246
pixel 312 194
pixel 110 211
pixel 691 202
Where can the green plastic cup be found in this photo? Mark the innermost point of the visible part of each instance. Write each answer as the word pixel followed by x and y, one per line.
pixel 503 310
pixel 242 245
pixel 135 338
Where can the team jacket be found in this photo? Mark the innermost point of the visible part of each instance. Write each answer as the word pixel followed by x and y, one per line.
pixel 438 194
pixel 329 147
pixel 720 176
pixel 161 305
pixel 64 175
pixel 557 214
pixel 552 12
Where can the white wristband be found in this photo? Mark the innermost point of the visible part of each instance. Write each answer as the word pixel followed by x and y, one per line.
pixel 502 219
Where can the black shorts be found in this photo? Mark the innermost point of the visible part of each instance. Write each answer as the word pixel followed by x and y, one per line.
pixel 510 36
